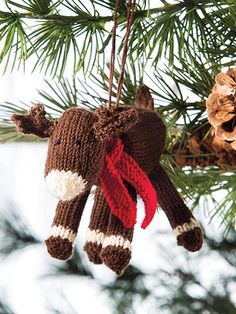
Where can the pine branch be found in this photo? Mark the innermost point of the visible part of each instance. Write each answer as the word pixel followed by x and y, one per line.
pixel 43 10
pixel 15 41
pixel 196 28
pixel 7 130
pixel 126 289
pixel 74 266
pixel 62 307
pixel 133 78
pixel 59 96
pixel 178 287
pixel 14 233
pixel 33 14
pixel 191 29
pixel 40 7
pixel 5 308
pixel 184 291
pixel 224 246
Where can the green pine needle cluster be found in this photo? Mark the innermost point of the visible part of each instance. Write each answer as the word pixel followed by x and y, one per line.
pixel 185 29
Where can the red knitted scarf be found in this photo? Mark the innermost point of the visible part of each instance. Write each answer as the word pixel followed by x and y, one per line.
pixel 118 166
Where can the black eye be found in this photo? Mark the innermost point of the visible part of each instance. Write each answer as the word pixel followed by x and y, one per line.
pixel 57 142
pixel 78 141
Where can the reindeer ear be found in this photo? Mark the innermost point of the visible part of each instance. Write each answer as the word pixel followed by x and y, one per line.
pixel 114 122
pixel 34 122
pixel 143 98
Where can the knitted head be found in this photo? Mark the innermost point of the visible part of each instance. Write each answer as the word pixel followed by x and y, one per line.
pixel 76 146
pixel 74 154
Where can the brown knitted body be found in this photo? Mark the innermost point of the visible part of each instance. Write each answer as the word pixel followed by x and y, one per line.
pixel 145 142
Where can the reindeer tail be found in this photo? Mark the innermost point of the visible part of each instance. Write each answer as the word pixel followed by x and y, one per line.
pixel 187 229
pixel 143 98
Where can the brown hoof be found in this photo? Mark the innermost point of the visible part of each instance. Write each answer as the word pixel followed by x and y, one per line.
pixel 59 248
pixel 93 251
pixel 116 258
pixel 191 240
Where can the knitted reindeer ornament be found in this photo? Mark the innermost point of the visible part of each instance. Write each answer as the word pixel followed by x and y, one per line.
pixel 119 151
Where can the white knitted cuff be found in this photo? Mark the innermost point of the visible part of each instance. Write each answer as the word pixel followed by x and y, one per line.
pixel 188 226
pixel 64 233
pixel 95 236
pixel 117 240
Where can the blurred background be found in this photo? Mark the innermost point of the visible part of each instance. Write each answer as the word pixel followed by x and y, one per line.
pixel 162 278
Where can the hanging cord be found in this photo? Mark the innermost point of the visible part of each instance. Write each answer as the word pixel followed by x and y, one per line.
pixel 113 50
pixel 130 18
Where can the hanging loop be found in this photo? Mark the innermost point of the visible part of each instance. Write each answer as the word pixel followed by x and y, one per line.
pixel 113 51
pixel 130 18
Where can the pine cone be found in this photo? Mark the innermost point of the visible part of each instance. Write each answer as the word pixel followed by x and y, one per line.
pixel 221 107
pixel 204 149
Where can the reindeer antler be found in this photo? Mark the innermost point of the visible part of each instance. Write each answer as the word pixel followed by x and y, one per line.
pixel 113 121
pixel 34 122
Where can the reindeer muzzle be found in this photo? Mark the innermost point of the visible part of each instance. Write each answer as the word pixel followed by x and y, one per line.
pixel 65 185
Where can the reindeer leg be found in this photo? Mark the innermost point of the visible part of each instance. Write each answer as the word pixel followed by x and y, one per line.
pixel 116 249
pixel 97 227
pixel 65 226
pixel 188 231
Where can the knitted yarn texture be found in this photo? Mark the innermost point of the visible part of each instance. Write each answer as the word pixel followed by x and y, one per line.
pixel 118 165
pixel 119 151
